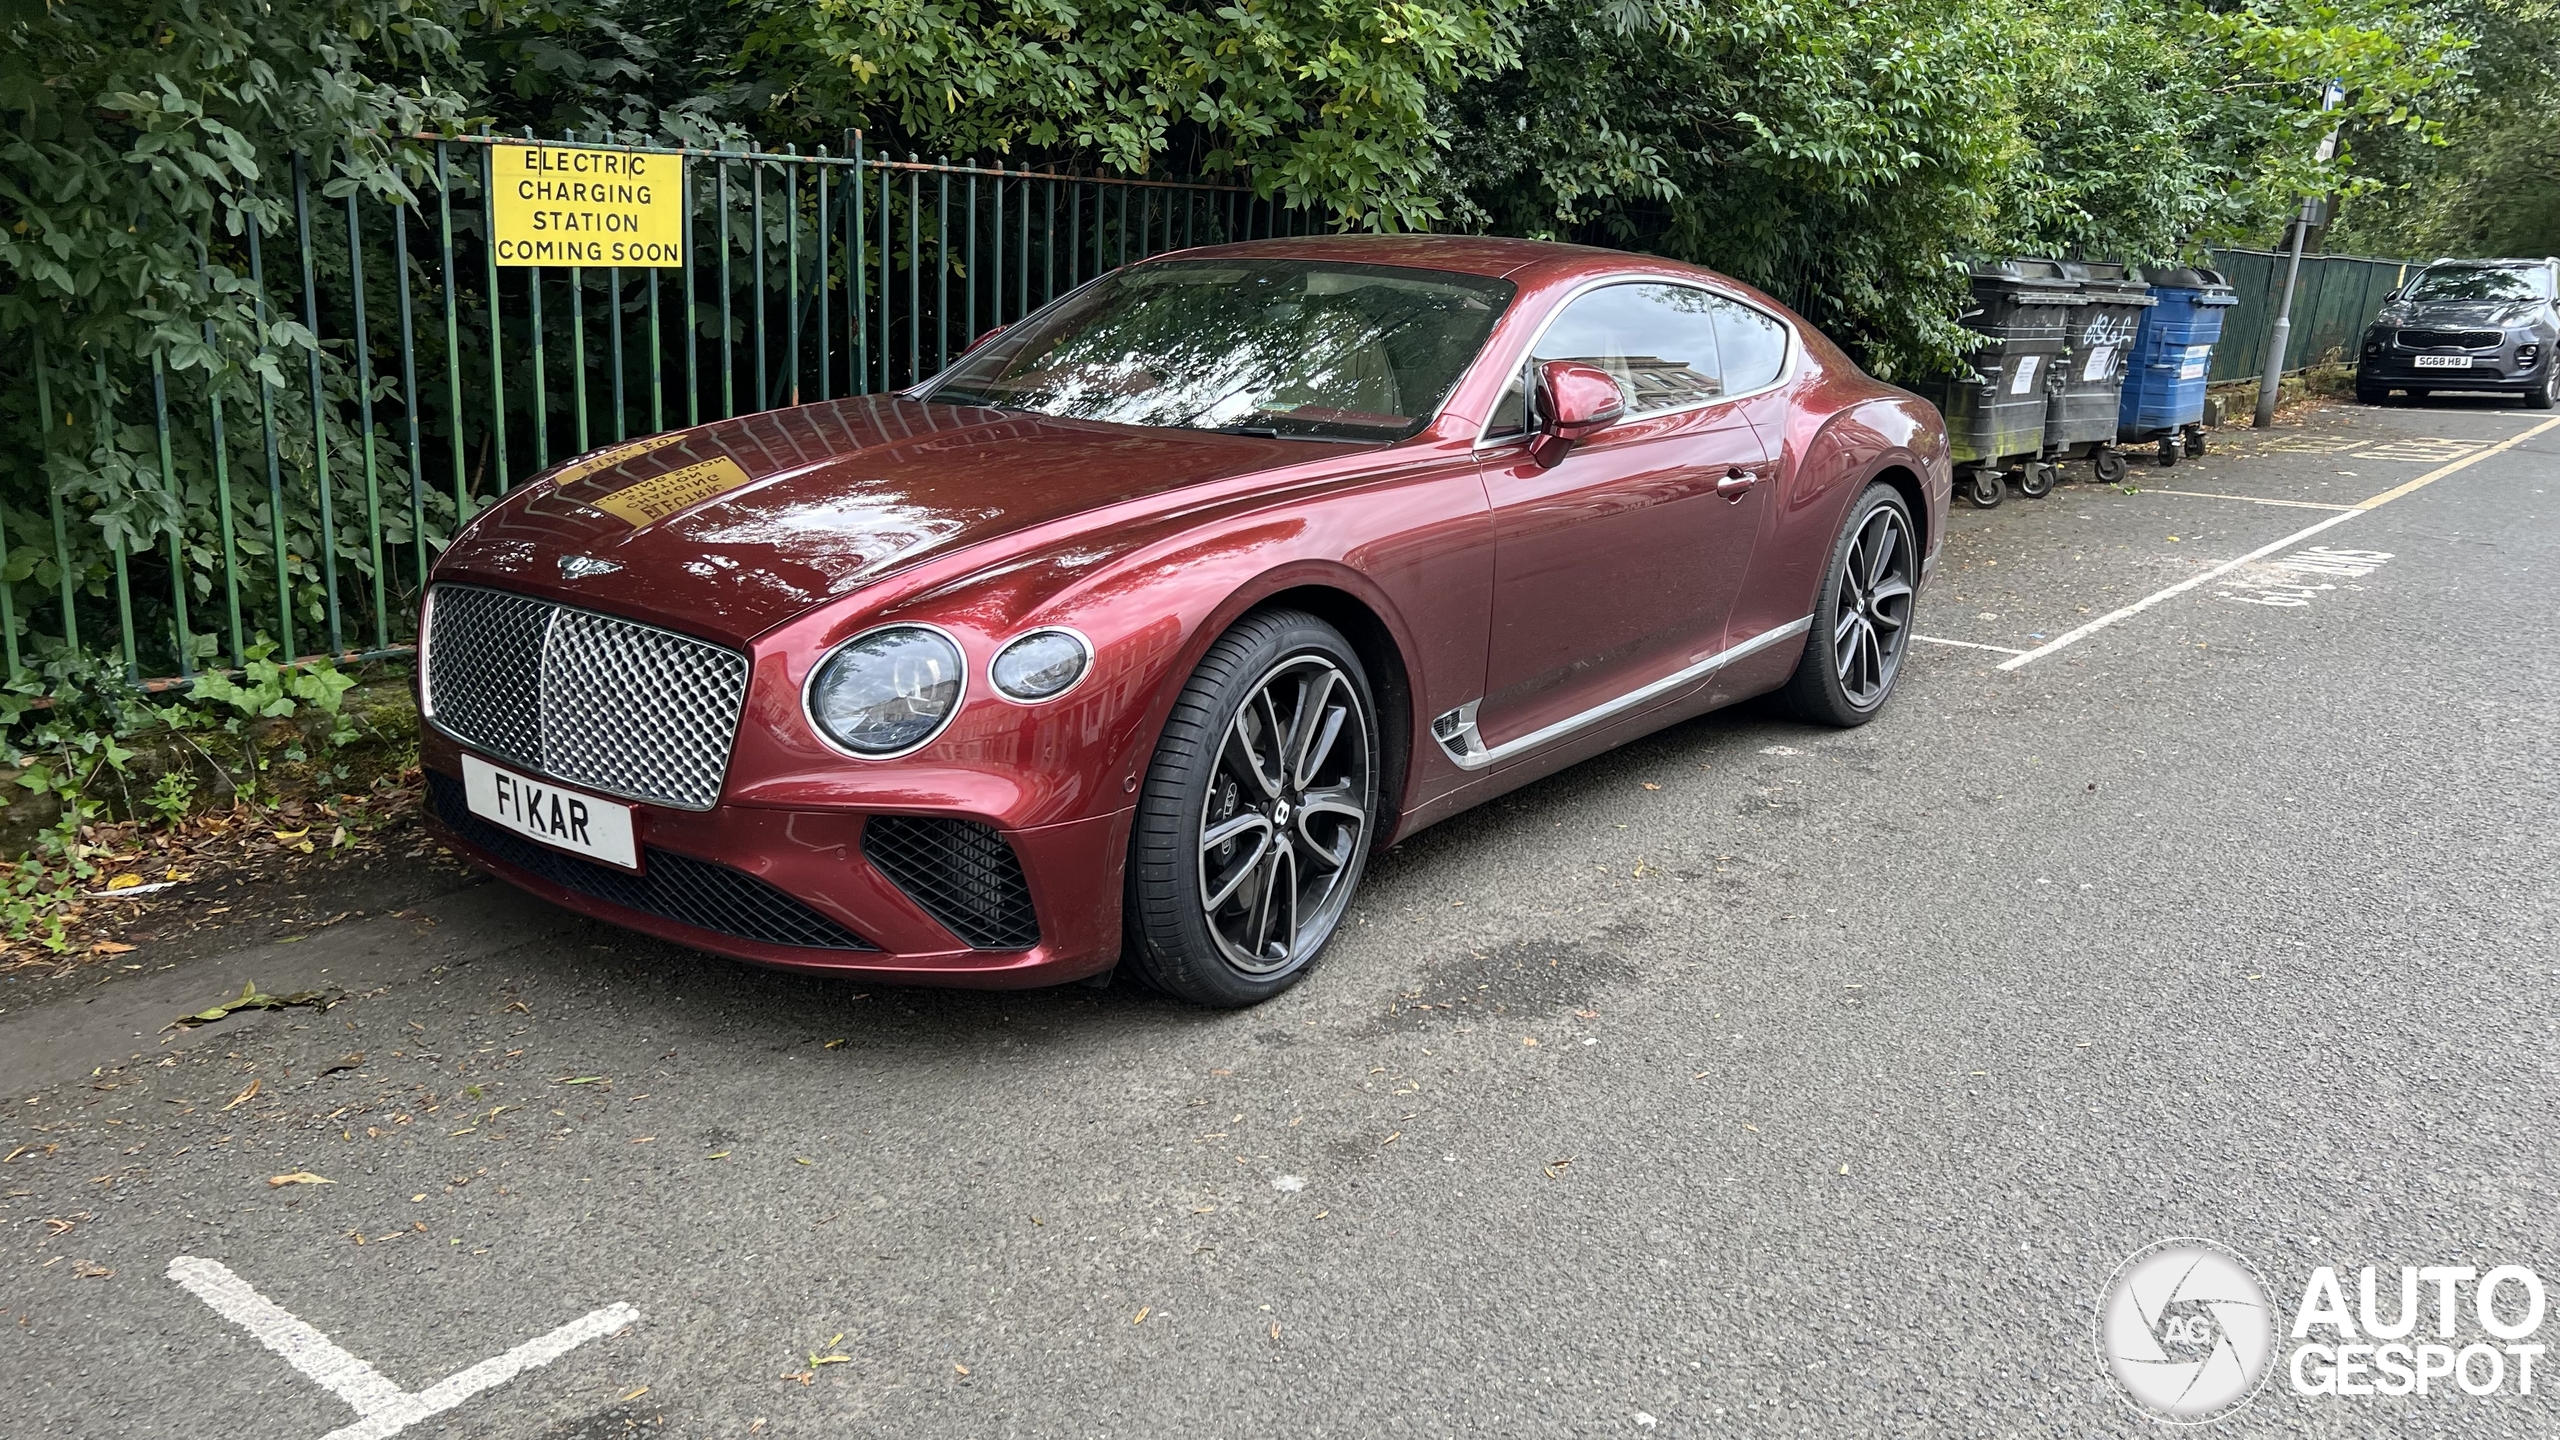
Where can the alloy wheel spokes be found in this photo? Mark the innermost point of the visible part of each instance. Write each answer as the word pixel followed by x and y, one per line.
pixel 1236 869
pixel 1286 816
pixel 1873 607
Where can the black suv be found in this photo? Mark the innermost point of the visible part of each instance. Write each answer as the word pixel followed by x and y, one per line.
pixel 2467 325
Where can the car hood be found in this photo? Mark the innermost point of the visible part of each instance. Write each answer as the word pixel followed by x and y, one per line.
pixel 732 528
pixel 2448 313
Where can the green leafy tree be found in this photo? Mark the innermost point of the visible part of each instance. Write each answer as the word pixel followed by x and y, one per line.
pixel 1324 102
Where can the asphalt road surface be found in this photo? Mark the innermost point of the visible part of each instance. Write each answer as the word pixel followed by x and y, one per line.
pixel 1753 1080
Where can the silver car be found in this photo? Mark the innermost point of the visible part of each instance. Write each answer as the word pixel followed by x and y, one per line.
pixel 2486 325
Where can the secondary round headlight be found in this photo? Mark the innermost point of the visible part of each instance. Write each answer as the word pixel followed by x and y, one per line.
pixel 887 692
pixel 1041 665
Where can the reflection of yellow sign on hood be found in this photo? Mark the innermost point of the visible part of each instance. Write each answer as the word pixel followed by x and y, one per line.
pixel 660 496
pixel 611 456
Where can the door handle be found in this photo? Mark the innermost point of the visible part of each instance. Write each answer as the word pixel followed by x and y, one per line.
pixel 1737 482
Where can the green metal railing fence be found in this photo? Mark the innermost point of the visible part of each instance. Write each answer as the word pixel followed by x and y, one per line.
pixel 434 379
pixel 2334 298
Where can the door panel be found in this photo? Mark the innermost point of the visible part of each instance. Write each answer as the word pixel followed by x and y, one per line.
pixel 1616 567
pixel 1619 565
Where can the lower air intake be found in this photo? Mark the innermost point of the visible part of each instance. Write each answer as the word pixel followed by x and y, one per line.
pixel 961 873
pixel 673 887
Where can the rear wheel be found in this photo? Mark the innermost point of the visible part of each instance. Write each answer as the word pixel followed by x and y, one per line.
pixel 1985 488
pixel 2195 442
pixel 2168 451
pixel 1254 825
pixel 2036 480
pixel 2110 465
pixel 1862 623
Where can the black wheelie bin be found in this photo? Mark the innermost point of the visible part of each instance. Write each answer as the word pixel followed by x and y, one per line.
pixel 1996 411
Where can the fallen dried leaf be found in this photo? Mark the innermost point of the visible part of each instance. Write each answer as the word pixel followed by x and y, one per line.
pixel 244 1096
pixel 298 1177
pixel 1141 1317
pixel 250 998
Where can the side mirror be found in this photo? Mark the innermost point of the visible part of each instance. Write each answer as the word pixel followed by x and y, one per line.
pixel 1577 400
pixel 2394 295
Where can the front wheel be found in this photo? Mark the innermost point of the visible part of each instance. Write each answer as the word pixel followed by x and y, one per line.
pixel 2546 394
pixel 2195 442
pixel 2110 465
pixel 1254 825
pixel 1862 623
pixel 1985 488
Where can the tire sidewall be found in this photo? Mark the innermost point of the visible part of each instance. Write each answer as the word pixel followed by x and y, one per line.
pixel 1168 935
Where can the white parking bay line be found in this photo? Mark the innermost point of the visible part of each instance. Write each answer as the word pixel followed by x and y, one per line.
pixel 382 1408
pixel 2073 637
pixel 1968 644
pixel 2252 499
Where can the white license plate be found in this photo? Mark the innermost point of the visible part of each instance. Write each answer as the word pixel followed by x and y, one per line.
pixel 540 810
pixel 2443 362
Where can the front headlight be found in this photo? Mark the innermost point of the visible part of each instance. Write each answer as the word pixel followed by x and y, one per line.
pixel 1042 665
pixel 887 691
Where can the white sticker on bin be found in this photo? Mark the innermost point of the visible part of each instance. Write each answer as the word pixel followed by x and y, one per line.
pixel 2025 379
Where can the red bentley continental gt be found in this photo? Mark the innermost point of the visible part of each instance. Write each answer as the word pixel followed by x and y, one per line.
pixel 1134 633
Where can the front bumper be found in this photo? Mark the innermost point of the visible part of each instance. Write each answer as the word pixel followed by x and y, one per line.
pixel 2517 363
pixel 799 889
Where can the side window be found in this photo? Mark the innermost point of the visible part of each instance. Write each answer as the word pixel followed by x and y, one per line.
pixel 1511 412
pixel 1754 346
pixel 1657 341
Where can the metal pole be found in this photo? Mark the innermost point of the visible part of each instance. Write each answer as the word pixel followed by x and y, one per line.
pixel 2278 337
pixel 2282 332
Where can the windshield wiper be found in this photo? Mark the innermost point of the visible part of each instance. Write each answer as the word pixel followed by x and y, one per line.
pixel 1265 432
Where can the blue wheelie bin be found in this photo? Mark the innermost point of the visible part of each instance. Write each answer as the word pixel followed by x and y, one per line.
pixel 2172 356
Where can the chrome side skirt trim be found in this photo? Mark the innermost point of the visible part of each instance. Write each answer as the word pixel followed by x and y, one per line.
pixel 1459 740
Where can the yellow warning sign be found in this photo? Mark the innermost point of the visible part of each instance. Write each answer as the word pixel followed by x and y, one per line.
pixel 561 206
pixel 660 496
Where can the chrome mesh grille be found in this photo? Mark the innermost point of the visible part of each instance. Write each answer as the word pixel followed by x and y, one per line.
pixel 484 667
pixel 583 698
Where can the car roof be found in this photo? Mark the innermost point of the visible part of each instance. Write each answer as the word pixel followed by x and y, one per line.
pixel 1494 256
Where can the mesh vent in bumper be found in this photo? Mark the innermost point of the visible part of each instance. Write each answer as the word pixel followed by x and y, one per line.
pixel 2461 339
pixel 960 872
pixel 673 887
pixel 610 704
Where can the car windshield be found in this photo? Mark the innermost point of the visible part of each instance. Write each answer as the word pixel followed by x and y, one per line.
pixel 2475 282
pixel 1304 349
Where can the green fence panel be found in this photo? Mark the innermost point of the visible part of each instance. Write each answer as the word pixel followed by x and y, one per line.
pixel 2335 298
pixel 421 379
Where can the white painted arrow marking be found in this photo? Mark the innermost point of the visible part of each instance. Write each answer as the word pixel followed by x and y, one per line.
pixel 382 1408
